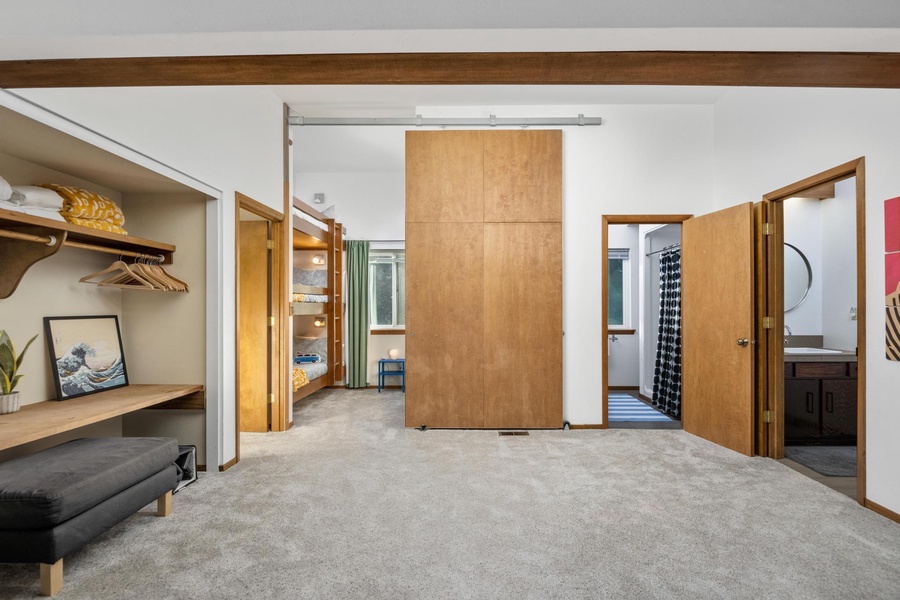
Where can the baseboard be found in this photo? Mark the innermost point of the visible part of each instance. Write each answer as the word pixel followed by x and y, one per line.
pixel 589 426
pixel 227 465
pixel 645 398
pixel 884 512
pixel 385 387
pixel 623 387
pixel 201 467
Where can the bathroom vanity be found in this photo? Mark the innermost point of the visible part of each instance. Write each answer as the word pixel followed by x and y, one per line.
pixel 820 399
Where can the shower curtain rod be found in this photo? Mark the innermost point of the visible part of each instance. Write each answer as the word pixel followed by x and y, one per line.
pixel 664 249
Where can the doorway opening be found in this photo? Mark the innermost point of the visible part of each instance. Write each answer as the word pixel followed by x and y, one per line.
pixel 816 281
pixel 641 321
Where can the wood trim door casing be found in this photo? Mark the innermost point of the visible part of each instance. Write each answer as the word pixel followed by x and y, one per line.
pixel 769 69
pixel 605 222
pixel 854 168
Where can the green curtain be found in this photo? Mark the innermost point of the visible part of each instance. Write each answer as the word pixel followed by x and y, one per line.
pixel 357 313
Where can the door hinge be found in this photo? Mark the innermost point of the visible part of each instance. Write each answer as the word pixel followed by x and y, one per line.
pixel 768 228
pixel 271 321
pixel 768 322
pixel 768 417
pixel 271 398
pixel 270 244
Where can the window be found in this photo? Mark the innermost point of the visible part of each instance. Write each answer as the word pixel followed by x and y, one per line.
pixel 387 289
pixel 618 286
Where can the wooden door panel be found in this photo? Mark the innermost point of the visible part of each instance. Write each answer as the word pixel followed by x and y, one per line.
pixel 718 310
pixel 444 172
pixel 253 333
pixel 523 325
pixel 444 324
pixel 523 176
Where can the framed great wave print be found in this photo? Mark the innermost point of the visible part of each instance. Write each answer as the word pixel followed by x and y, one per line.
pixel 86 354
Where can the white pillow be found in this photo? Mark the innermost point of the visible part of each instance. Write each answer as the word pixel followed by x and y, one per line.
pixel 31 195
pixel 5 190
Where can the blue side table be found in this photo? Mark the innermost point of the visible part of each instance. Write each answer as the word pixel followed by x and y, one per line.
pixel 384 371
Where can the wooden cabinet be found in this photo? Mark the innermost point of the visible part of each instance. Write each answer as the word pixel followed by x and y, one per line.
pixel 484 279
pixel 820 403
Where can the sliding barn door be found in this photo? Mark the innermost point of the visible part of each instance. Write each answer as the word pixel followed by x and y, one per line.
pixel 717 311
pixel 484 279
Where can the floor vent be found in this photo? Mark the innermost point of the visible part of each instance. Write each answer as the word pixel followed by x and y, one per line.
pixel 513 433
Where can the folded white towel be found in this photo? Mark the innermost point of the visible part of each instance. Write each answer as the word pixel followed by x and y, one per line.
pixel 34 211
pixel 5 190
pixel 31 195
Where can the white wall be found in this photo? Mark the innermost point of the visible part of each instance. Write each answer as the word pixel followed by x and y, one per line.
pixel 768 138
pixel 839 273
pixel 229 138
pixel 370 205
pixel 624 352
pixel 803 229
pixel 644 159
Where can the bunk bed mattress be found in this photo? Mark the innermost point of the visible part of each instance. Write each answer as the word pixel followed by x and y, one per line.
pixel 308 372
pixel 310 298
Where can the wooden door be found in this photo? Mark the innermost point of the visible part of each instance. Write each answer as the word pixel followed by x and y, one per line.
pixel 444 177
pixel 253 333
pixel 523 325
pixel 717 315
pixel 444 324
pixel 523 176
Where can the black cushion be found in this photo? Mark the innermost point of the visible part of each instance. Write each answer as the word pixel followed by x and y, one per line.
pixel 49 487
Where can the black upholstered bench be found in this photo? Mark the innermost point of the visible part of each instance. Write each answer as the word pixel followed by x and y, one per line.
pixel 54 501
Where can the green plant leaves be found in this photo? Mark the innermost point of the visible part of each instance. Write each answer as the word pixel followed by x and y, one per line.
pixel 9 363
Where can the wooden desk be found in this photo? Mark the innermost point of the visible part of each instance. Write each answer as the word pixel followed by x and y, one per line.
pixel 37 421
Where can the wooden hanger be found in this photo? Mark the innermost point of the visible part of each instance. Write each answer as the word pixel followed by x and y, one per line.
pixel 121 276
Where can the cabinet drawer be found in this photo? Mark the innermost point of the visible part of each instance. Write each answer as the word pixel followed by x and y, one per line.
pixel 824 369
pixel 854 371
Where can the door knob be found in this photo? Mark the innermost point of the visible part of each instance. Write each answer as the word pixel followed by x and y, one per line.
pixel 743 342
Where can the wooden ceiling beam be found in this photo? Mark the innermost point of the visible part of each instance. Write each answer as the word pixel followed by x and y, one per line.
pixel 776 69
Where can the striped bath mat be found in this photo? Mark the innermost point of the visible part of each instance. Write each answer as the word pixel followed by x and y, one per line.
pixel 623 407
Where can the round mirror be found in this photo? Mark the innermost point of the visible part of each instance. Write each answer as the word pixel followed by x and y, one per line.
pixel 797 277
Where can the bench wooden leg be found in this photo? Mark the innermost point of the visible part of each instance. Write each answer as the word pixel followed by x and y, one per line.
pixel 164 504
pixel 51 578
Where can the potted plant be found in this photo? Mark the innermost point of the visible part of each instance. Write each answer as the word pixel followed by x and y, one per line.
pixel 9 377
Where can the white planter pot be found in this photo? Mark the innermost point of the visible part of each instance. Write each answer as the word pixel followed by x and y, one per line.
pixel 9 403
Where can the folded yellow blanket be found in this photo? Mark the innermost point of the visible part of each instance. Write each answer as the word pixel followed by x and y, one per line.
pixel 84 204
pixel 96 224
pixel 298 378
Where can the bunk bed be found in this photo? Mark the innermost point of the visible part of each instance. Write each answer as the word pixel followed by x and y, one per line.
pixel 317 301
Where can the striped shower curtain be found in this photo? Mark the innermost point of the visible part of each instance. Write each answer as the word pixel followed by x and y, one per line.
pixel 667 374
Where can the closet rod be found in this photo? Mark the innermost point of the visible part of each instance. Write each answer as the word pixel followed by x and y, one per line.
pixel 51 240
pixel 672 247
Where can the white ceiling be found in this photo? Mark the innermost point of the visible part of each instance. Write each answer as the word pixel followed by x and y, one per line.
pixel 26 18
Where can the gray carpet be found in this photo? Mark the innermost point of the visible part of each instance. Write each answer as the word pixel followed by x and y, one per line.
pixel 349 504
pixel 831 461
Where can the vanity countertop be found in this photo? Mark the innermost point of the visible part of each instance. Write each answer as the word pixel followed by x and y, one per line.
pixel 842 356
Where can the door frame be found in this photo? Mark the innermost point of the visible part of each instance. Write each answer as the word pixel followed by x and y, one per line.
pixel 605 222
pixel 774 296
pixel 279 292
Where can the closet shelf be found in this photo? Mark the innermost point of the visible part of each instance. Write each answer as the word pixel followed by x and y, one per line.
pixel 19 255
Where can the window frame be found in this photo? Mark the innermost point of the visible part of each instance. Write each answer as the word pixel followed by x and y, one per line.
pixel 623 254
pixel 394 258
